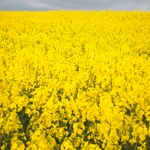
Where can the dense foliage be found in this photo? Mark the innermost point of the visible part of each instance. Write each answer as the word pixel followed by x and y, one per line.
pixel 75 80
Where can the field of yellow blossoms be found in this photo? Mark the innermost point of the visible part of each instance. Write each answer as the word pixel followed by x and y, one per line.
pixel 74 80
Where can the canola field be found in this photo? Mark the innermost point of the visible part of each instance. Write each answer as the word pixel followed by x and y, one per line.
pixel 74 80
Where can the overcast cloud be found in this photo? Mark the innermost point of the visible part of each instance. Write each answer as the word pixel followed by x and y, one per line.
pixel 75 5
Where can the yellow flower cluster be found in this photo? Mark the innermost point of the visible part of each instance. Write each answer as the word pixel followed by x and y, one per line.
pixel 74 80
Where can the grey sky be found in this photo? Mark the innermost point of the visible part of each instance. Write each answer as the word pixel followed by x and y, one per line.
pixel 75 5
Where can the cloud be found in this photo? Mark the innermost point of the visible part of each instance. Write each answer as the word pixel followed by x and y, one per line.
pixel 40 5
pixel 26 5
pixel 75 4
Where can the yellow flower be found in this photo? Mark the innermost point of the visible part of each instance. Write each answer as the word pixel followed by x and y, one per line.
pixel 67 145
pixel 74 79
